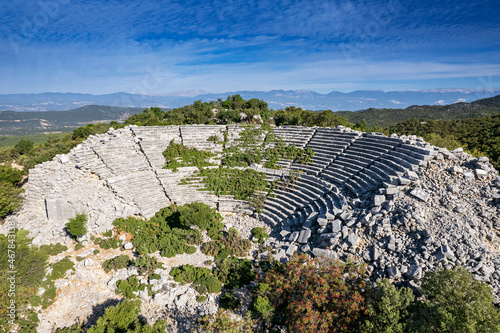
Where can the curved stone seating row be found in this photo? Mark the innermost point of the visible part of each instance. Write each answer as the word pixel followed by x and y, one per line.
pixel 154 141
pixel 193 137
pixel 327 143
pixel 294 134
pixel 141 188
pixel 287 200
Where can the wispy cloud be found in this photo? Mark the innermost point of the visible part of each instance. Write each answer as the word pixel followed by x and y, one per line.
pixel 95 46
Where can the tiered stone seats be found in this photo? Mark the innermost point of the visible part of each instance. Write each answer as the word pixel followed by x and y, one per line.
pixel 327 143
pixel 294 134
pixel 182 194
pixel 141 188
pixel 305 190
pixel 154 140
pixel 361 154
pixel 197 136
pixel 87 159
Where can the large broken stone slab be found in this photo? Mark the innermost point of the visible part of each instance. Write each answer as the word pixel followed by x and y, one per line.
pixel 481 173
pixel 378 200
pixel 304 236
pixel 420 194
pixel 353 239
pixel 323 253
pixel 58 210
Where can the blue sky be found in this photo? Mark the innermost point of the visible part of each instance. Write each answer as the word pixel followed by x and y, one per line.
pixel 156 47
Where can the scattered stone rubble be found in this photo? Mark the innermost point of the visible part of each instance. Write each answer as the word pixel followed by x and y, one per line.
pixel 397 203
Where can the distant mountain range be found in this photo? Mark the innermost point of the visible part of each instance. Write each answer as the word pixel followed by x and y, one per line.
pixel 277 99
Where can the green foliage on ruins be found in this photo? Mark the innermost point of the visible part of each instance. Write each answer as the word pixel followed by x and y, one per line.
pixel 226 244
pixel 202 278
pixel 177 155
pixel 481 136
pixel 170 230
pixel 60 268
pixel 298 117
pixel 77 225
pixel 260 234
pixel 234 272
pixel 291 152
pixel 241 183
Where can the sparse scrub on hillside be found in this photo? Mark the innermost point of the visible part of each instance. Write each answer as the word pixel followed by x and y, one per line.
pixel 116 263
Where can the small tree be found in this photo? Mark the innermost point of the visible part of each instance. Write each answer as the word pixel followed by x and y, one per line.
pixel 77 225
pixel 10 198
pixel 455 302
pixel 388 308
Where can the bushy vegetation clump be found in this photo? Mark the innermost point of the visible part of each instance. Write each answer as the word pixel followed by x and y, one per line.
pixel 77 225
pixel 241 183
pixel 311 297
pixel 227 244
pixel 177 155
pixel 202 278
pixel 116 263
pixel 234 272
pixel 170 230
pixel 260 234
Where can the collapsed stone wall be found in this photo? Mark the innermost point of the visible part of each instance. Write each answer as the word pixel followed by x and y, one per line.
pixel 398 203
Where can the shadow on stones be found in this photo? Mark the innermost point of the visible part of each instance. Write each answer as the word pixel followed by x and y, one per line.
pixel 98 311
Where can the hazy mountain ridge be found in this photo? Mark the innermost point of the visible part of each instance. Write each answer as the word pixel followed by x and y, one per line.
pixel 277 99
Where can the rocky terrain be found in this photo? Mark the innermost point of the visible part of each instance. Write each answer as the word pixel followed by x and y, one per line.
pixel 400 205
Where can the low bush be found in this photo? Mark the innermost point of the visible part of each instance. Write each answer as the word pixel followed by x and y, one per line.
pixel 234 272
pixel 116 263
pixel 10 175
pixel 453 301
pixel 147 265
pixel 201 299
pixel 10 198
pixel 242 184
pixel 221 322
pixel 188 156
pixel 77 225
pixel 229 301
pixel 53 249
pixel 128 287
pixel 202 278
pixel 260 234
pixel 108 243
pixel 60 268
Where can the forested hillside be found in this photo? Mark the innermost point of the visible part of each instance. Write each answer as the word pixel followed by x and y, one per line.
pixel 389 117
pixel 481 136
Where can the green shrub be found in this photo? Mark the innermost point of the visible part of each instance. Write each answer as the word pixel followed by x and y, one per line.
pixel 455 302
pixel 263 307
pixel 229 301
pixel 146 265
pixel 201 277
pixel 77 225
pixel 188 156
pixel 23 147
pixel 128 287
pixel 10 198
pixel 116 263
pixel 155 277
pixel 211 248
pixel 78 246
pixel 235 244
pixel 108 243
pixel 53 249
pixel 234 272
pixel 96 252
pixel 60 268
pixel 242 184
pixel 201 299
pixel 387 308
pixel 10 175
pixel 108 233
pixel 260 234
pixel 222 322
pixel 124 318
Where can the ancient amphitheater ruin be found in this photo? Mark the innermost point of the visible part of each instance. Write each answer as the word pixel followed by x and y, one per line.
pixel 397 203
